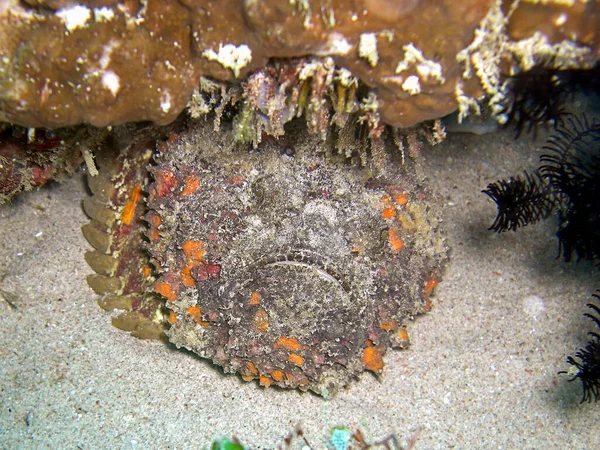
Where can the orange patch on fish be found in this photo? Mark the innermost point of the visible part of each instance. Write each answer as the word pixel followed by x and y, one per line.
pixel 396 243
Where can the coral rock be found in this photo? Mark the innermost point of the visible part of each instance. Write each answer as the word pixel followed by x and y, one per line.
pixel 109 62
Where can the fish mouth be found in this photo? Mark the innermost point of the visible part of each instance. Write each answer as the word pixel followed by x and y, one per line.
pixel 308 260
pixel 304 294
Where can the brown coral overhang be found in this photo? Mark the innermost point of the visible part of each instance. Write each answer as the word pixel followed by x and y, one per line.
pixel 109 62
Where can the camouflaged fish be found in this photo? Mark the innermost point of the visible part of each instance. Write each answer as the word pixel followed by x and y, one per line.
pixel 289 263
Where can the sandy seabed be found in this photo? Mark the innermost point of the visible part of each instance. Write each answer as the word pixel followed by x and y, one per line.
pixel 481 372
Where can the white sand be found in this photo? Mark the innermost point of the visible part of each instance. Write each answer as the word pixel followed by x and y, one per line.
pixel 481 371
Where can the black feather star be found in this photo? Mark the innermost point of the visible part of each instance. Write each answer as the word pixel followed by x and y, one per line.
pixel 585 366
pixel 567 181
pixel 520 201
pixel 572 167
pixel 535 97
